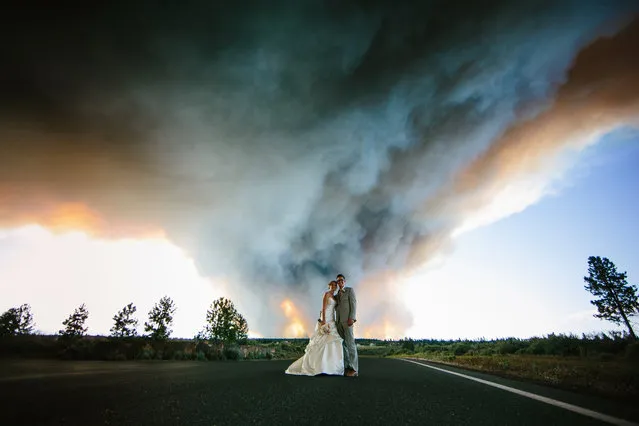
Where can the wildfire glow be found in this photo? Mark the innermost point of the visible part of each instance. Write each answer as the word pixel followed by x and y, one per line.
pixel 79 217
pixel 384 329
pixel 73 216
pixel 295 327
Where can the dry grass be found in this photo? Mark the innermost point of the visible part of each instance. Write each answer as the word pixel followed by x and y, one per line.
pixel 613 378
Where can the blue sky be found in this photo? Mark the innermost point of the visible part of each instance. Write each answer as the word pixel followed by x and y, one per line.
pixel 528 268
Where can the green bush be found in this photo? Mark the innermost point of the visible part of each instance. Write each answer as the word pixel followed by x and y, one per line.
pixel 408 345
pixel 431 348
pixel 460 348
pixel 259 353
pixel 561 345
pixel 146 353
pixel 487 351
pixel 76 349
pixel 509 346
pixel 233 353
pixel 215 353
pixel 536 347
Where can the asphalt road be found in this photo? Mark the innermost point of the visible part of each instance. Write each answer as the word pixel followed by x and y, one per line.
pixel 258 392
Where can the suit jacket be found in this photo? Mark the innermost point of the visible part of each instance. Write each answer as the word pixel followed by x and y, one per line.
pixel 346 305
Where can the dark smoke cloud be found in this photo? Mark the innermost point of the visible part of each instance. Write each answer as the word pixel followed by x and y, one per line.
pixel 281 142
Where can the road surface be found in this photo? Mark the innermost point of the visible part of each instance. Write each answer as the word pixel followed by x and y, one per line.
pixel 387 392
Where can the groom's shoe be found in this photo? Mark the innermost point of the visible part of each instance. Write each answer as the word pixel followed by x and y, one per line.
pixel 351 373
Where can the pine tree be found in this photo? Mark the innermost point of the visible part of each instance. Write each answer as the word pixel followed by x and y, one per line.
pixel 225 323
pixel 160 319
pixel 17 321
pixel 74 324
pixel 125 325
pixel 617 300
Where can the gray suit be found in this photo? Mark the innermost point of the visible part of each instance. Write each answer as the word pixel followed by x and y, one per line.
pixel 347 308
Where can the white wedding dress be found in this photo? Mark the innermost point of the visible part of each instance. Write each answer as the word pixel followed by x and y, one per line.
pixel 324 353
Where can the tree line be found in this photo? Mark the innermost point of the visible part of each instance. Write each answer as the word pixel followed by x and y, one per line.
pixel 616 301
pixel 223 322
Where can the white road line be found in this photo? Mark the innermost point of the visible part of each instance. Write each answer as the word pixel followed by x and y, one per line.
pixel 586 412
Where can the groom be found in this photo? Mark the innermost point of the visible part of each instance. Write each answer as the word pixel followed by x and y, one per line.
pixel 346 317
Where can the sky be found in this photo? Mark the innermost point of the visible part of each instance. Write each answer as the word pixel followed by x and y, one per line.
pixel 523 275
pixel 456 161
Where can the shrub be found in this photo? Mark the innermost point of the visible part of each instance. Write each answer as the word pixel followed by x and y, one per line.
pixel 460 348
pixel 233 353
pixel 408 345
pixel 215 353
pixel 75 349
pixel 105 349
pixel 431 348
pixel 285 346
pixel 508 346
pixel 487 351
pixel 146 353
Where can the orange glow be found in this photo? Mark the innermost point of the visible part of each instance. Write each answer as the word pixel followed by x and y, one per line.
pixel 390 319
pixel 296 327
pixel 77 216
pixel 71 216
pixel 384 329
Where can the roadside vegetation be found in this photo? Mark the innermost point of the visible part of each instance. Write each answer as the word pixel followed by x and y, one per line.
pixel 603 363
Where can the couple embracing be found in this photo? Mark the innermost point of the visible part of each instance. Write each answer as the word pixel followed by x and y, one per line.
pixel 332 350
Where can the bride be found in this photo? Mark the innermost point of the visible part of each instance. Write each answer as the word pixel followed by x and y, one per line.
pixel 324 353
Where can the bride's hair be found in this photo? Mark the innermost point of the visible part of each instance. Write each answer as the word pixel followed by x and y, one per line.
pixel 331 283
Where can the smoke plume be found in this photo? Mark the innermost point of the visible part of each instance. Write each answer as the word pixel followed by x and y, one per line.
pixel 283 142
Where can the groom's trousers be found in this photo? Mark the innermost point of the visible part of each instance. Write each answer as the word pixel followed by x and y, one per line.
pixel 350 349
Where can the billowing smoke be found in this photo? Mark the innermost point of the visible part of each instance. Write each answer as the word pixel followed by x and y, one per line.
pixel 283 142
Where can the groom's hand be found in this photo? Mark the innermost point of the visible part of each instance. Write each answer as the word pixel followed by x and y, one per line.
pixel 350 322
